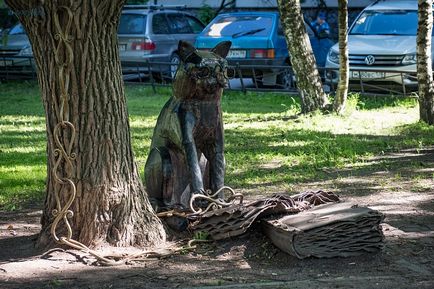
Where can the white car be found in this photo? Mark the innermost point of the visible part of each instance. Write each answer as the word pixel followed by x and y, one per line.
pixel 16 54
pixel 381 44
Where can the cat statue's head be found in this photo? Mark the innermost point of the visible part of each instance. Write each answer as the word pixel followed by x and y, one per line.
pixel 201 74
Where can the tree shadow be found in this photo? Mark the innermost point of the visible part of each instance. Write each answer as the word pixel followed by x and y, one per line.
pixel 18 249
pixel 326 157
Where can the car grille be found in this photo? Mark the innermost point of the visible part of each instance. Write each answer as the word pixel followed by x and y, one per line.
pixel 8 52
pixel 380 60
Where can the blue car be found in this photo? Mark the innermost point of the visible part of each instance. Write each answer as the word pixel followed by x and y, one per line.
pixel 257 41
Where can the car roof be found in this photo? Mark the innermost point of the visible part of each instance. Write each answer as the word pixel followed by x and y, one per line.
pixel 393 5
pixel 265 13
pixel 148 11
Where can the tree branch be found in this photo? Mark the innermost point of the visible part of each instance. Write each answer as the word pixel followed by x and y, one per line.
pixel 224 5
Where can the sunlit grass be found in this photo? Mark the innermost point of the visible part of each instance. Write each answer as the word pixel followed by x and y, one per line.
pixel 265 143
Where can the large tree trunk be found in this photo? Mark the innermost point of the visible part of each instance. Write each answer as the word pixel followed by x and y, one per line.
pixel 111 204
pixel 302 58
pixel 424 61
pixel 344 72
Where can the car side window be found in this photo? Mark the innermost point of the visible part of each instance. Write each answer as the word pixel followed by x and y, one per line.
pixel 160 24
pixel 195 25
pixel 179 24
pixel 132 24
pixel 17 29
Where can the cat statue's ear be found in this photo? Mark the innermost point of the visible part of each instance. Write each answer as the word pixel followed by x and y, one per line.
pixel 187 53
pixel 222 49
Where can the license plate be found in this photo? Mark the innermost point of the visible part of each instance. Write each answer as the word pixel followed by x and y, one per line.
pixel 237 54
pixel 6 62
pixel 122 47
pixel 367 74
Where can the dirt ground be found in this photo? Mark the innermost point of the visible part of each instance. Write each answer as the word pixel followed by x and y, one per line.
pixel 403 190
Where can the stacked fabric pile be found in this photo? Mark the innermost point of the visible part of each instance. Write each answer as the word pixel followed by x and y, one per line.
pixel 237 219
pixel 331 230
pixel 308 224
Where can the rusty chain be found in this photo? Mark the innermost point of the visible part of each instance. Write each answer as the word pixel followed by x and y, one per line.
pixel 214 202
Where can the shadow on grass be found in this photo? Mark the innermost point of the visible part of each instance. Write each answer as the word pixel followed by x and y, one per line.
pixel 305 155
pixel 318 152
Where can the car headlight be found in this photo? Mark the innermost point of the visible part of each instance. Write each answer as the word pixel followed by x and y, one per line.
pixel 333 56
pixel 26 51
pixel 409 59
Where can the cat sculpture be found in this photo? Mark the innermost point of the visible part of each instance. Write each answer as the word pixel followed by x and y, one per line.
pixel 187 150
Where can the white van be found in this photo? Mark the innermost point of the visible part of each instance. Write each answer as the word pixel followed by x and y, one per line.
pixel 381 44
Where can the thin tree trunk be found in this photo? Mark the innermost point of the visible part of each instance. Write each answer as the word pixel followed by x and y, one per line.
pixel 111 204
pixel 424 61
pixel 302 58
pixel 344 72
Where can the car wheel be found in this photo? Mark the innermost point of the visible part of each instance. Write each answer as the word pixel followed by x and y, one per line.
pixel 174 63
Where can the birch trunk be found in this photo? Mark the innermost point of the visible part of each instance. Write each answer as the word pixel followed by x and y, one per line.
pixel 424 61
pixel 344 72
pixel 302 58
pixel 111 205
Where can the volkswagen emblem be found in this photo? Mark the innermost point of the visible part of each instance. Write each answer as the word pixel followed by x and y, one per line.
pixel 370 59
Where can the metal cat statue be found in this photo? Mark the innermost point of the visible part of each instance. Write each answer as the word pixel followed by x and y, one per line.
pixel 187 149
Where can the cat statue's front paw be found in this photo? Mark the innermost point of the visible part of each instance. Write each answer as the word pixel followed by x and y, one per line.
pixel 199 202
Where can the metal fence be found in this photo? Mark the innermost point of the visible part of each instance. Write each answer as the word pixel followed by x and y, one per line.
pixel 17 67
pixel 246 77
pixel 251 78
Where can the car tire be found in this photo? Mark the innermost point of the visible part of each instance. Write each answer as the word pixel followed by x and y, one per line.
pixel 175 60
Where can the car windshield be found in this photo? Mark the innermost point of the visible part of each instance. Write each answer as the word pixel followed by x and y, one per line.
pixel 17 29
pixel 132 24
pixel 398 22
pixel 240 25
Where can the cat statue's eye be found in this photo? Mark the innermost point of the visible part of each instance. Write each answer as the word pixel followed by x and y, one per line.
pixel 229 72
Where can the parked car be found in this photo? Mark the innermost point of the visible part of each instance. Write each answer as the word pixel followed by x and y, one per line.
pixel 16 56
pixel 381 39
pixel 145 33
pixel 257 40
pixel 153 34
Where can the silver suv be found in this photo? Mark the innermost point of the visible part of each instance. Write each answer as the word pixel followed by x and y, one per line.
pixel 145 33
pixel 382 44
pixel 152 34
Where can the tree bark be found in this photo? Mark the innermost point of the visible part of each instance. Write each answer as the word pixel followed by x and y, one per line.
pixel 344 72
pixel 424 61
pixel 111 205
pixel 302 58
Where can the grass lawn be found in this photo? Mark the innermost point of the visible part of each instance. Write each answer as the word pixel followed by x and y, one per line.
pixel 265 144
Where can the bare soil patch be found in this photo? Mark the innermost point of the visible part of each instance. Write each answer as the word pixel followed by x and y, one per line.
pixel 400 185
